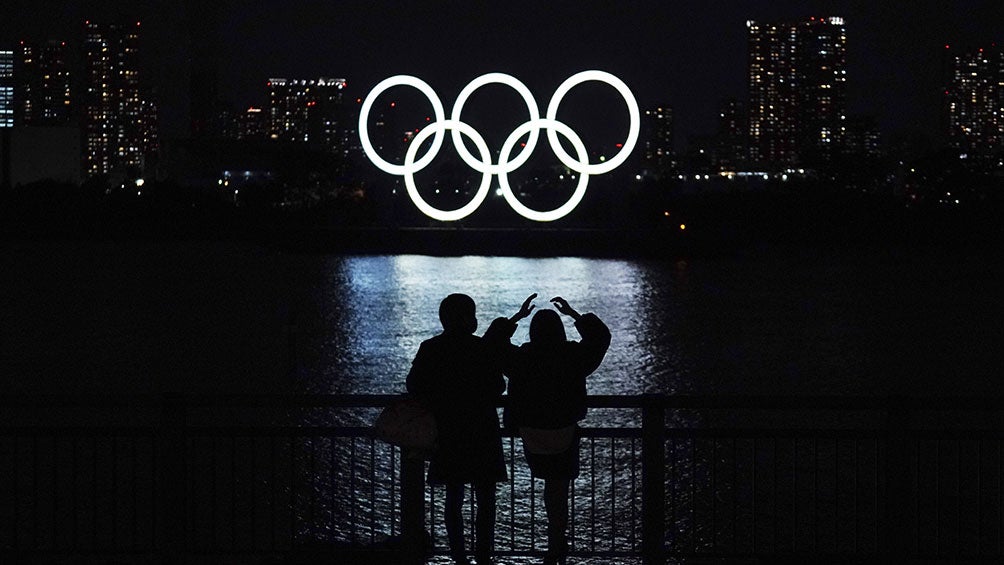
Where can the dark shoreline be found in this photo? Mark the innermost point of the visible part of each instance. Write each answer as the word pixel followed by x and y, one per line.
pixel 628 243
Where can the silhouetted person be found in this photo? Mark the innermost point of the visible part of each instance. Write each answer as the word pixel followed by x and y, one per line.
pixel 460 376
pixel 547 399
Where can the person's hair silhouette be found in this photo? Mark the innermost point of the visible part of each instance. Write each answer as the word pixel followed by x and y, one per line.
pixel 546 328
pixel 459 376
pixel 457 314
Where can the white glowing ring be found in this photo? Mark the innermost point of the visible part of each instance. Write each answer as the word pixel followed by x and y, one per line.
pixel 580 189
pixel 409 176
pixel 584 167
pixel 504 166
pixel 531 106
pixel 364 135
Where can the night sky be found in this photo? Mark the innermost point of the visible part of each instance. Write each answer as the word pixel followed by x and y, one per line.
pixel 689 54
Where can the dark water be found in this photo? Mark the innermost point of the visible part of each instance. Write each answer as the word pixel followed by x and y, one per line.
pixel 229 317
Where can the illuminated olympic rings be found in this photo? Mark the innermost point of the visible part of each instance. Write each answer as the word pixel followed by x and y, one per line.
pixel 458 128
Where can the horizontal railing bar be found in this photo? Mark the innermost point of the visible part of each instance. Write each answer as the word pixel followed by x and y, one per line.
pixel 79 431
pixel 789 557
pixel 586 432
pixel 22 553
pixel 280 431
pixel 321 550
pixel 829 557
pixel 763 402
pixel 364 431
pixel 574 553
pixel 677 402
pixel 850 433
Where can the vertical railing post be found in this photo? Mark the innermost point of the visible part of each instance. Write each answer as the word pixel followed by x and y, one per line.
pixel 412 508
pixel 653 479
pixel 172 493
pixel 290 329
pixel 898 479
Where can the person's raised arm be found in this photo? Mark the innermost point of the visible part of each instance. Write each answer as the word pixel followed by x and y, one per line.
pixel 524 310
pixel 562 306
pixel 595 336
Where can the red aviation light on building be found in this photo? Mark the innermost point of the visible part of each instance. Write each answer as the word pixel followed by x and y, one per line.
pixel 137 24
pixel 947 46
pixel 392 104
pixel 619 145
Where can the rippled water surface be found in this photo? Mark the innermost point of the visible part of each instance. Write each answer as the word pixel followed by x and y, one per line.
pixel 193 316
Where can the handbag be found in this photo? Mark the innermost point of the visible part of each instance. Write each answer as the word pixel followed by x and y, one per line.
pixel 408 423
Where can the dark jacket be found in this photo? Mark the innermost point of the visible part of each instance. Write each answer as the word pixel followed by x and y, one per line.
pixel 547 382
pixel 461 378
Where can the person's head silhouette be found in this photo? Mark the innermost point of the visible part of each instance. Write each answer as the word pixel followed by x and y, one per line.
pixel 546 327
pixel 456 313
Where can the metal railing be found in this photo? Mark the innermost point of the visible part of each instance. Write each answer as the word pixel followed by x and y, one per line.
pixel 195 478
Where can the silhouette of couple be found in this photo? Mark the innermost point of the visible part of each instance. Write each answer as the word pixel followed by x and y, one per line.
pixel 461 377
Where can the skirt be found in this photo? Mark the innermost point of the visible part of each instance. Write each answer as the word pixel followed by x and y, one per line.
pixel 563 465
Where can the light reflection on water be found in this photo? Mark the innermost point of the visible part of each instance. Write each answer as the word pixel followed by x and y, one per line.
pixel 802 324
pixel 201 317
pixel 390 306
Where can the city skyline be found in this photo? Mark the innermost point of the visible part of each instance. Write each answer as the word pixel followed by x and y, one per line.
pixel 687 56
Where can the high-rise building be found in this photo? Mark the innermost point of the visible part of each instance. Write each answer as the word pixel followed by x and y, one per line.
pixel 732 135
pixel 797 91
pixel 43 97
pixel 657 139
pixel 252 124
pixel 974 100
pixel 863 138
pixel 119 120
pixel 307 110
pixel 6 89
